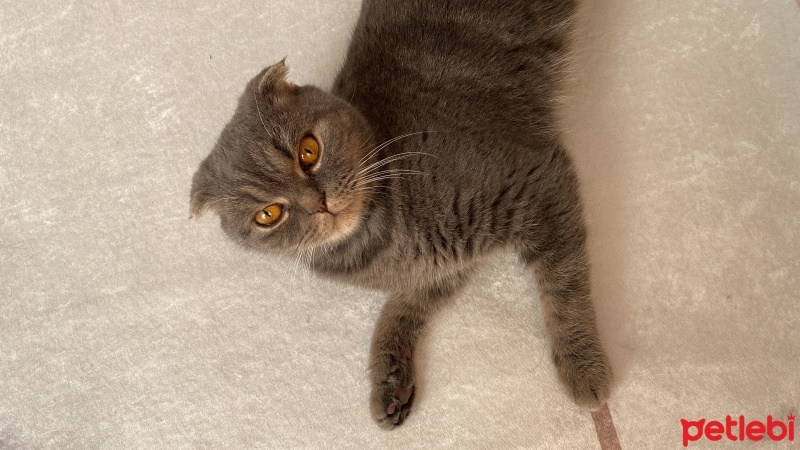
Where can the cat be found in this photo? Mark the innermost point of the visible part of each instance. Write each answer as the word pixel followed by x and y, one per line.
pixel 437 145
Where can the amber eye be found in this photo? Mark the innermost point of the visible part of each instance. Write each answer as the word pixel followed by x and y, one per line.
pixel 309 151
pixel 269 215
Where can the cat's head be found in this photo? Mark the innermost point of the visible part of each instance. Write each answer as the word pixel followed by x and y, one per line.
pixel 285 172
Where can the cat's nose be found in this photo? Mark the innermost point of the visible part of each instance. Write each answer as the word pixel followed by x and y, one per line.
pixel 322 206
pixel 316 204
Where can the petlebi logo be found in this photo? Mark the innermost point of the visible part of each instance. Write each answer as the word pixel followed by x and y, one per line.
pixel 739 429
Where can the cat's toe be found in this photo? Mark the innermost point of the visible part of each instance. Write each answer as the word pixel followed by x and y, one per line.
pixel 590 395
pixel 403 395
pixel 391 412
pixel 587 382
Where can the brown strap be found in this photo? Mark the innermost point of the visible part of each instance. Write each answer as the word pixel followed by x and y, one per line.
pixel 604 425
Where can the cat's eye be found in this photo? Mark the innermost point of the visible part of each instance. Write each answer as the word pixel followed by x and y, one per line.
pixel 269 216
pixel 309 151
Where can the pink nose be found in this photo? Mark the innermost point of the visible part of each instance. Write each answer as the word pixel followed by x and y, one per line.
pixel 314 203
pixel 322 206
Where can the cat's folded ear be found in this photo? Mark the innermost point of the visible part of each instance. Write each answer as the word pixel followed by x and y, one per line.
pixel 198 204
pixel 200 198
pixel 272 84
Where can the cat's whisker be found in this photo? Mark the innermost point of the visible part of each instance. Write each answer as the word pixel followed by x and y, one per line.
pixel 360 176
pixel 390 172
pixel 310 258
pixel 385 171
pixel 381 147
pixel 364 146
pixel 381 176
pixel 368 155
pixel 389 142
pixel 294 271
pixel 390 159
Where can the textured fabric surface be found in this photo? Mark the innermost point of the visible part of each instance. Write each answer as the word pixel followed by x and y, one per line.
pixel 125 325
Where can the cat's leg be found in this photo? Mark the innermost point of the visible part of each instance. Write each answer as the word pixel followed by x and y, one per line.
pixel 562 271
pixel 394 342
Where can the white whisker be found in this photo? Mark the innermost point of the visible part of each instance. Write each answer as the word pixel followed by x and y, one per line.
pixel 380 178
pixel 395 172
pixel 390 159
pixel 294 271
pixel 389 142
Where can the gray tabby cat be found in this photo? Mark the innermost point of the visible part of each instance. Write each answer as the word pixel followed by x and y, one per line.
pixel 437 146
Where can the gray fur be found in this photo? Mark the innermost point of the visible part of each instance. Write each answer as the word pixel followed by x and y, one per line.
pixel 475 81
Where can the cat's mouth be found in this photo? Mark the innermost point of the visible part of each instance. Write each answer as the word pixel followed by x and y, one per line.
pixel 334 212
pixel 340 219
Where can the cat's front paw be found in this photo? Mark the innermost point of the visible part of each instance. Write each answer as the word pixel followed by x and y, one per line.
pixel 392 388
pixel 587 377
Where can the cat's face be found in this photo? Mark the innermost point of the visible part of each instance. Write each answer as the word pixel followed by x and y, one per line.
pixel 286 172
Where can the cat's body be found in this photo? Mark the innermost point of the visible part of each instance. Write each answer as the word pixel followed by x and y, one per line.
pixel 470 87
pixel 484 130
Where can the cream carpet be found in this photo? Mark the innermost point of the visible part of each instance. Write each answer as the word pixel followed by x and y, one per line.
pixel 125 325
